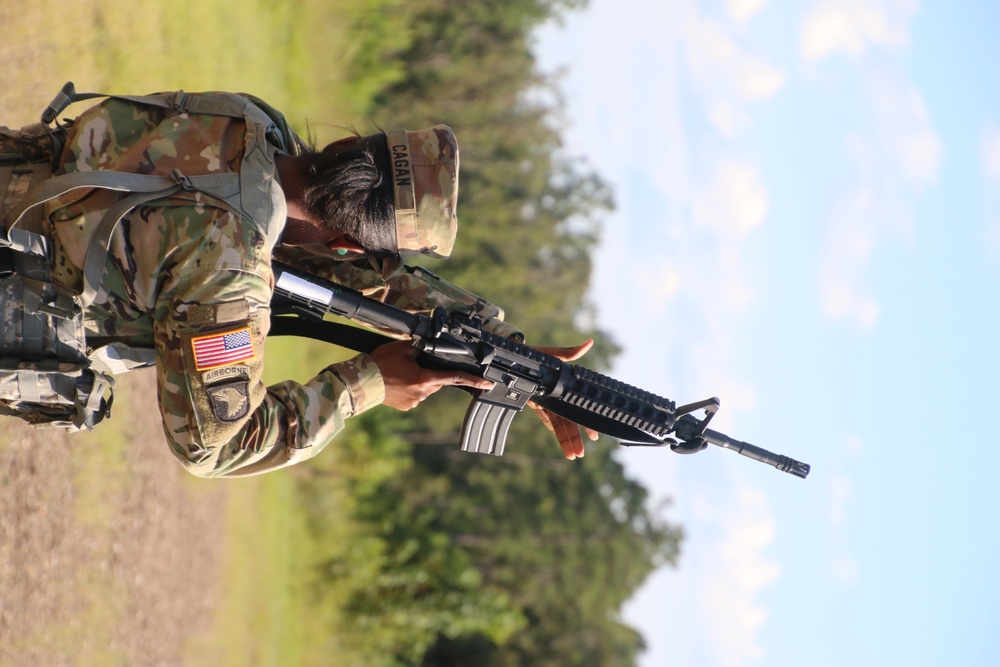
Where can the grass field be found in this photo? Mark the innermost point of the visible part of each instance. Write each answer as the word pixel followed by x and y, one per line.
pixel 290 54
pixel 109 554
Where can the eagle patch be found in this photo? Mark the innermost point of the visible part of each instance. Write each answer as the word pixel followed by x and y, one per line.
pixel 230 401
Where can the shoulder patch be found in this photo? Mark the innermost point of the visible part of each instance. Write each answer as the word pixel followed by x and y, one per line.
pixel 225 373
pixel 223 349
pixel 230 401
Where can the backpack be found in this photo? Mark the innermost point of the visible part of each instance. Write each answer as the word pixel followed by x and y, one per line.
pixel 47 377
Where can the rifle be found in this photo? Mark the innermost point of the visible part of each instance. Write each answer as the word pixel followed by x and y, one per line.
pixel 457 341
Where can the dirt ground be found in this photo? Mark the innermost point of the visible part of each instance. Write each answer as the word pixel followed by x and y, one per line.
pixel 106 558
pixel 108 555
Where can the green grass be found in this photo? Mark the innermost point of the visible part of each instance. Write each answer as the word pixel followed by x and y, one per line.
pixel 257 621
pixel 299 359
pixel 100 473
pixel 292 54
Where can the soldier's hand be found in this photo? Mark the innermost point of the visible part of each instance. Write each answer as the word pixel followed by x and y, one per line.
pixel 566 431
pixel 407 383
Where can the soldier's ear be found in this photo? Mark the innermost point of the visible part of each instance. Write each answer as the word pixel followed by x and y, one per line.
pixel 332 147
pixel 301 232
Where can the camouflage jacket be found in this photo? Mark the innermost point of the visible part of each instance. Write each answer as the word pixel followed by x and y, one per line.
pixel 190 278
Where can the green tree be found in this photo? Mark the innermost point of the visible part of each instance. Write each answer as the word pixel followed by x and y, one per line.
pixel 528 212
pixel 570 542
pixel 525 559
pixel 404 582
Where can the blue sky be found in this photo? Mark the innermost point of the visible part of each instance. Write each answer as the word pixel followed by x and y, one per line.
pixel 808 227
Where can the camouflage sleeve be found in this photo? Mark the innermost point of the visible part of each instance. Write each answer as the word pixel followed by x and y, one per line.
pixel 411 288
pixel 218 416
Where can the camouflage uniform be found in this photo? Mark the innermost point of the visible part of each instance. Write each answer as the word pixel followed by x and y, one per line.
pixel 190 278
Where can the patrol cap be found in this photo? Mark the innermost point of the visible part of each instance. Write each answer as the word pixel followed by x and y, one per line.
pixel 424 167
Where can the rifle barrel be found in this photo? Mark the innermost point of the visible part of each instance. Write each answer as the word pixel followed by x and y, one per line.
pixel 781 462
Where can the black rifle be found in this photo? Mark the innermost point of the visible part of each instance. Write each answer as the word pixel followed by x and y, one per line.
pixel 456 341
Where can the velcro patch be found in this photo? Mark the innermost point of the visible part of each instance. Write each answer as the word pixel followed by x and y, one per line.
pixel 219 313
pixel 222 349
pixel 230 401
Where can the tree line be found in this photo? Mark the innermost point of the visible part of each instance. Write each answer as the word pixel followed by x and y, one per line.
pixel 524 559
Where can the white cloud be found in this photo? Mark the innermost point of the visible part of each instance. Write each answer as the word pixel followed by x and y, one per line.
pixel 848 247
pixel 893 163
pixel 854 27
pixel 735 294
pixel 661 284
pixel 855 446
pixel 708 612
pixel 735 569
pixel 656 114
pixel 726 75
pixel 733 200
pixel 990 150
pixel 905 128
pixel 741 11
pixel 840 495
pixel 843 565
pixel 756 79
pixel 845 569
pixel 844 301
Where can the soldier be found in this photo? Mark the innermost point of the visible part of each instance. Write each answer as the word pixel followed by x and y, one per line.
pixel 187 274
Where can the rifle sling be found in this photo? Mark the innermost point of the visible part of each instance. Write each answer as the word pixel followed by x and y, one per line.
pixel 344 335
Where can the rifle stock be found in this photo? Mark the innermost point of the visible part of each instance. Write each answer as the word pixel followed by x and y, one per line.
pixel 457 341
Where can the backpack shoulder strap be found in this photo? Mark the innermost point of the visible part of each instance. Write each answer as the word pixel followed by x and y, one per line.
pixel 247 192
pixel 267 133
pixel 212 104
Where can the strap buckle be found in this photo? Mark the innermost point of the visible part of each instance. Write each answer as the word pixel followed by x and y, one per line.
pixel 179 100
pixel 182 180
pixel 59 103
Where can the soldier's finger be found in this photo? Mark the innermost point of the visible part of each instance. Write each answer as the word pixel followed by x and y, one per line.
pixel 450 378
pixel 568 353
pixel 568 434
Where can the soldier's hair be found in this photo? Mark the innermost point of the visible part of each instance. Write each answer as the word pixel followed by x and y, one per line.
pixel 351 191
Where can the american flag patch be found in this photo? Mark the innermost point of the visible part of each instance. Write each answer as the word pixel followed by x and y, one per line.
pixel 222 349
